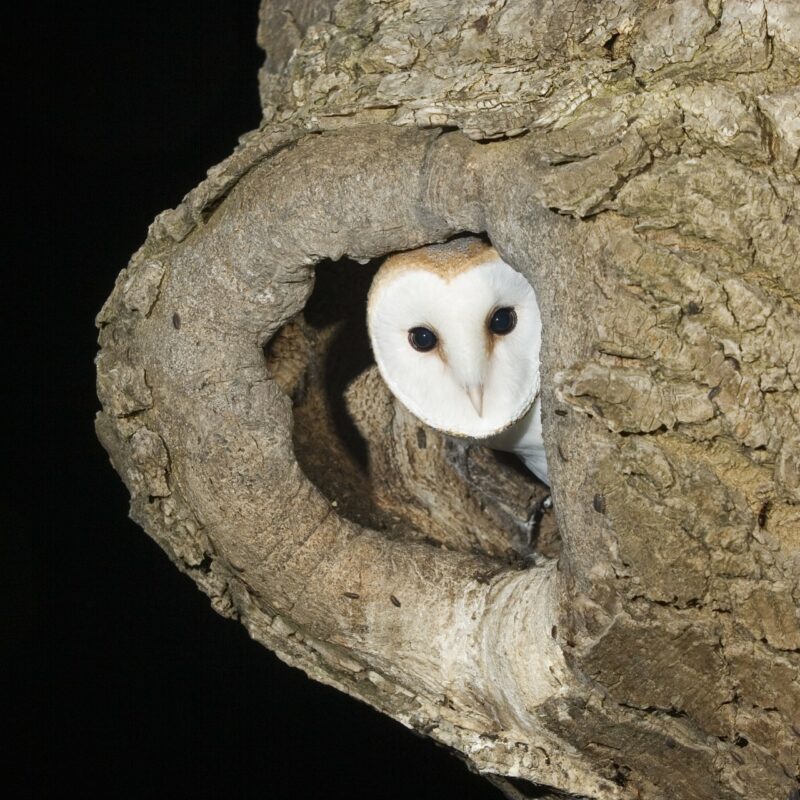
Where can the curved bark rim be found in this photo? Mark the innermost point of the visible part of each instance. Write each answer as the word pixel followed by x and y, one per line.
pixel 274 551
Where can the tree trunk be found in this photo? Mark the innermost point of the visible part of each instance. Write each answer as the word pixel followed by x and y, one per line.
pixel 638 161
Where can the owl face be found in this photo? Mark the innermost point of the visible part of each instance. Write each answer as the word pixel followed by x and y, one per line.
pixel 457 339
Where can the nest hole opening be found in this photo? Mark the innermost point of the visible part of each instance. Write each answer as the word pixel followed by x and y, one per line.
pixel 376 464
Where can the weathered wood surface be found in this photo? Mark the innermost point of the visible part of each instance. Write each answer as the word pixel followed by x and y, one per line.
pixel 638 161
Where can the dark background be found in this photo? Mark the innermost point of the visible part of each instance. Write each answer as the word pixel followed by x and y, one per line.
pixel 130 682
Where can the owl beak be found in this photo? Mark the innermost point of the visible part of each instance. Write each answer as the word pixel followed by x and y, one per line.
pixel 475 393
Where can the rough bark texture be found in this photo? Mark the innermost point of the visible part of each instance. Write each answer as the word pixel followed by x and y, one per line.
pixel 638 161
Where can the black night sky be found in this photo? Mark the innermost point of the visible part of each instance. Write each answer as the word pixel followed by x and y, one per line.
pixel 131 683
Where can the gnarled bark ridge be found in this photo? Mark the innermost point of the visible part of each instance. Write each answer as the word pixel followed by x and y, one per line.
pixel 638 162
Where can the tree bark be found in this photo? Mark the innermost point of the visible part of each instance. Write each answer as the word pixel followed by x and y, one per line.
pixel 638 162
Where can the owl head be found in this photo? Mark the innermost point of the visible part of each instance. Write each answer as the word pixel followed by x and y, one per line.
pixel 456 334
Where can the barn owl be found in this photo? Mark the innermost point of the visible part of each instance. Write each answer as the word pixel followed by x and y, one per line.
pixel 456 334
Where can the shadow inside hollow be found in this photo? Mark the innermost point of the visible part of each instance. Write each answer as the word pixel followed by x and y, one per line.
pixel 314 359
pixel 339 304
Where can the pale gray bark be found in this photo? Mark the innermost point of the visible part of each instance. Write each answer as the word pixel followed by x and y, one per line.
pixel 638 161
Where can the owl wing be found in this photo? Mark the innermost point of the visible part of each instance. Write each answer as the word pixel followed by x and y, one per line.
pixel 524 439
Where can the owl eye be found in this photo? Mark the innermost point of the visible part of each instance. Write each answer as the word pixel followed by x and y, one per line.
pixel 422 339
pixel 503 321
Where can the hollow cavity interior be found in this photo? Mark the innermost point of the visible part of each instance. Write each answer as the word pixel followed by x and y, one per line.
pixel 376 463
